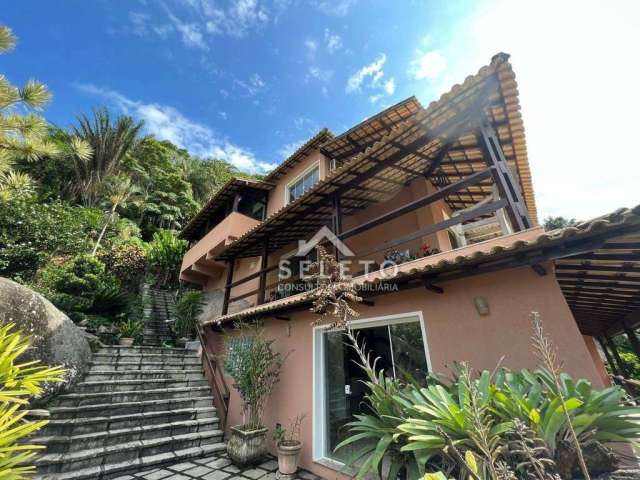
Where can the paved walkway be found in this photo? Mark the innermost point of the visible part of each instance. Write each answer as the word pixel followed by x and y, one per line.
pixel 215 468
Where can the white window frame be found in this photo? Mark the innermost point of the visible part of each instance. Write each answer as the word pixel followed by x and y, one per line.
pixel 319 396
pixel 297 179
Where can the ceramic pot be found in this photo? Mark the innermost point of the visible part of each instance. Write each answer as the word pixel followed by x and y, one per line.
pixel 246 447
pixel 288 456
pixel 125 341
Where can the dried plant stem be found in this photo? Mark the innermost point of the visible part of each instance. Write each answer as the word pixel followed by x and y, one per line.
pixel 546 353
pixel 455 453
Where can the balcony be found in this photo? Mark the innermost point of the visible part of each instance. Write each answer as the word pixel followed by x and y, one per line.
pixel 199 265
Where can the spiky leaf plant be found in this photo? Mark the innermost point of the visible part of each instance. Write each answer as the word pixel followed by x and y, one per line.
pixel 18 383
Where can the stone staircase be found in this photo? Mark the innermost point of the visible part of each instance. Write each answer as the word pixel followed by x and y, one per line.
pixel 161 311
pixel 137 407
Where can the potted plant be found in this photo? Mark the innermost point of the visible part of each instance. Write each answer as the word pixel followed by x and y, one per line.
pixel 255 369
pixel 129 329
pixel 288 445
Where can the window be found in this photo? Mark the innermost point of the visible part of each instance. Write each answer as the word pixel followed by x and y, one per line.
pixel 400 343
pixel 303 184
pixel 252 207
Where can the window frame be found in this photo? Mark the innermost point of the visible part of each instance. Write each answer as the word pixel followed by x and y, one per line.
pixel 318 409
pixel 315 165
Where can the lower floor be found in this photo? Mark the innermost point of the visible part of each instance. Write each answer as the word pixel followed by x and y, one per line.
pixel 482 319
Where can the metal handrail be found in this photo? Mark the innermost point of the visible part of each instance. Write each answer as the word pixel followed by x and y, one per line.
pixel 218 383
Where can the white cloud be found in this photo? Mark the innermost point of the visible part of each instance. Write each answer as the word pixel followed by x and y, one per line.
pixel 373 71
pixel 190 32
pixel 333 41
pixel 139 23
pixel 334 7
pixel 253 85
pixel 428 65
pixel 578 92
pixel 236 21
pixel 223 115
pixel 287 150
pixel 311 45
pixel 390 86
pixel 320 74
pixel 168 123
pixel 375 98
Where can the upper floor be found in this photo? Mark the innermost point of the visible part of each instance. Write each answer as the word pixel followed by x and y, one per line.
pixel 406 183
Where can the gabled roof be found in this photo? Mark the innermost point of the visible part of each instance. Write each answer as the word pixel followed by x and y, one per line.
pixel 218 202
pixel 300 154
pixel 404 154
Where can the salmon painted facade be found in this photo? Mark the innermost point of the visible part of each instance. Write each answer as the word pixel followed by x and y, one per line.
pixel 432 212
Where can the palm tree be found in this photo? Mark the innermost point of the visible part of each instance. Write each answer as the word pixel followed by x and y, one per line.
pixel 120 191
pixel 110 142
pixel 15 185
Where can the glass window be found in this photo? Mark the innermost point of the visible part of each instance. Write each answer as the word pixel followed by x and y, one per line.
pixel 252 207
pixel 303 184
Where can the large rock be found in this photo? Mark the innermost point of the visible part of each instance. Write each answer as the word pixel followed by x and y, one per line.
pixel 56 339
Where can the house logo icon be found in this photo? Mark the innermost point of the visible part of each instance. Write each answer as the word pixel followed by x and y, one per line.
pixel 322 235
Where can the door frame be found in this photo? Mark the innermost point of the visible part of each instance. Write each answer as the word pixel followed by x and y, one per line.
pixel 318 396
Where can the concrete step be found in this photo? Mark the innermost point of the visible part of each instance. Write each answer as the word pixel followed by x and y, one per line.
pixel 106 438
pixel 99 423
pixel 100 462
pixel 142 349
pixel 129 365
pixel 146 374
pixel 128 385
pixel 124 408
pixel 80 399
pixel 145 358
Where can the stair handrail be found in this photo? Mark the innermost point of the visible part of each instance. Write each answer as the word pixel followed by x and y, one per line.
pixel 218 382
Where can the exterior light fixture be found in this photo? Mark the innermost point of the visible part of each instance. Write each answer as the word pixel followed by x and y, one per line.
pixel 482 306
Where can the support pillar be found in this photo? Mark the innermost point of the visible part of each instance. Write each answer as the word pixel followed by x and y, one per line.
pixel 227 287
pixel 263 271
pixel 337 222
pixel 616 355
pixel 503 178
pixel 633 339
pixel 612 364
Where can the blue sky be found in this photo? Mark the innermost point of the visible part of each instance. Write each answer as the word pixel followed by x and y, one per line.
pixel 248 81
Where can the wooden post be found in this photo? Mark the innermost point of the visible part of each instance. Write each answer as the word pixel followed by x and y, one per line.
pixel 503 178
pixel 227 287
pixel 614 350
pixel 633 339
pixel 337 222
pixel 614 368
pixel 263 271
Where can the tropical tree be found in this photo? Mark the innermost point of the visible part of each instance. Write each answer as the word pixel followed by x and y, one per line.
pixel 552 223
pixel 120 190
pixel 15 185
pixel 110 140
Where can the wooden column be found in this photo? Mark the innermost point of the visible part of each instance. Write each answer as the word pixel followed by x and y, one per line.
pixel 503 178
pixel 263 271
pixel 616 355
pixel 633 339
pixel 337 221
pixel 227 287
pixel 612 364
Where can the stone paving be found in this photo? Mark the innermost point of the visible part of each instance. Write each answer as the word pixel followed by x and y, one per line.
pixel 216 468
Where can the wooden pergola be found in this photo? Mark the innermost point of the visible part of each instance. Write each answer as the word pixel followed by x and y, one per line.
pixel 467 143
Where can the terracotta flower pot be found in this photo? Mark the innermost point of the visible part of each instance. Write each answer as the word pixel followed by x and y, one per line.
pixel 246 447
pixel 125 341
pixel 288 456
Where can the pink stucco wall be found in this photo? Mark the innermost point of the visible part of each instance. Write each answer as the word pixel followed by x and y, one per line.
pixel 455 331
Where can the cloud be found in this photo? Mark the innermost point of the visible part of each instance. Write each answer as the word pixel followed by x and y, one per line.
pixel 334 7
pixel 390 86
pixel 333 41
pixel 287 150
pixel 237 20
pixel 252 86
pixel 191 35
pixel 312 47
pixel 320 74
pixel 167 123
pixel 373 71
pixel 375 98
pixel 428 65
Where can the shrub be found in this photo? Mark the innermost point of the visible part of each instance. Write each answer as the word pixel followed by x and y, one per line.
pixel 30 233
pixel 188 307
pixel 127 261
pixel 130 328
pixel 255 369
pixel 164 255
pixel 82 287
pixel 18 383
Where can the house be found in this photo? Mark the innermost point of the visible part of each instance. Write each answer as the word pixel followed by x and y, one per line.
pixel 432 211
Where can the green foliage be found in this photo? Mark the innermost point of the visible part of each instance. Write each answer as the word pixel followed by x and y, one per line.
pixel 127 261
pixel 164 257
pixel 31 233
pixel 82 287
pixel 552 223
pixel 18 383
pixel 188 307
pixel 130 328
pixel 255 367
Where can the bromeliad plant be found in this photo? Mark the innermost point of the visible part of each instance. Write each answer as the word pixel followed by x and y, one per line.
pixel 18 383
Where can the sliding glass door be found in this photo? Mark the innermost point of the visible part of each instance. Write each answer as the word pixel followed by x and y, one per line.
pixel 398 342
